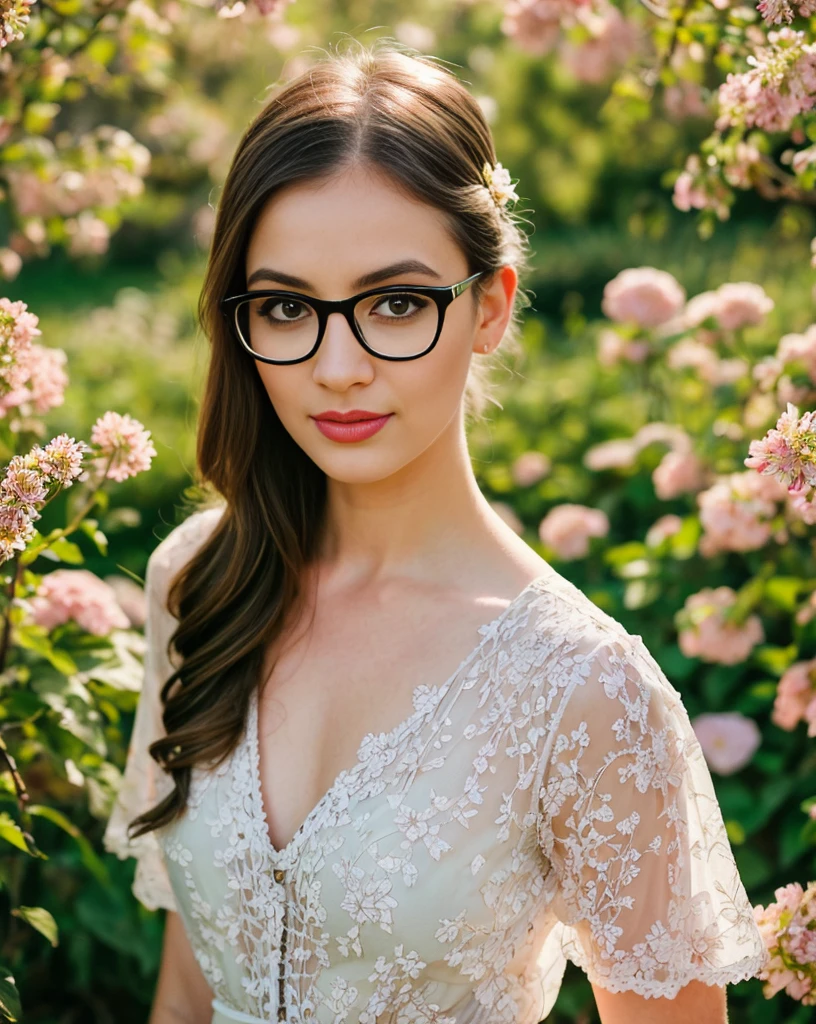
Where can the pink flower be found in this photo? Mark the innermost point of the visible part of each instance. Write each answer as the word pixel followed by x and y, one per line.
pixel 529 468
pixel 709 636
pixel 787 929
pixel 728 739
pixel 617 453
pixel 24 487
pixel 88 234
pixel 42 380
pixel 788 452
pixel 642 295
pixel 61 459
pixel 126 441
pixel 18 328
pixel 777 88
pixel 684 99
pixel 567 529
pixel 78 595
pixel 612 40
pixel 800 348
pixel 16 530
pixel 612 348
pixel 10 263
pixel 742 304
pixel 535 25
pixel 776 11
pixel 736 513
pixel 14 16
pixel 794 696
pixel 665 526
pixel 678 473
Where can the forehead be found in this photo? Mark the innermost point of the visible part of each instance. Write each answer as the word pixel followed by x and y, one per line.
pixel 334 230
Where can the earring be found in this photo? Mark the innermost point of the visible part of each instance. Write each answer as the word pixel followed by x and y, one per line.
pixel 485 348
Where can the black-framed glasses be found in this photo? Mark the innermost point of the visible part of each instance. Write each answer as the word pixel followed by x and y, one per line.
pixel 397 322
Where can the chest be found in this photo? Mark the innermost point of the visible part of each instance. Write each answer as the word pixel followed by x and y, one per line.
pixel 351 674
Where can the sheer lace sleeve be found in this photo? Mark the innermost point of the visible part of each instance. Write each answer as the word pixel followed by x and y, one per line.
pixel 144 783
pixel 647 890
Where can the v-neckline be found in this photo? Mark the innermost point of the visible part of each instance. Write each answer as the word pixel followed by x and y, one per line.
pixel 425 709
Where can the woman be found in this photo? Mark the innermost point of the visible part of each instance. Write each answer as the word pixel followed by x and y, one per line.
pixel 387 764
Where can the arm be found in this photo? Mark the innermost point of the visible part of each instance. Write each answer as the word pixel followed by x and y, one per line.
pixel 182 993
pixel 645 883
pixel 704 1004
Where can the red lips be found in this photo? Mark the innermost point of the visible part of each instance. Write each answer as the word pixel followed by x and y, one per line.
pixel 349 417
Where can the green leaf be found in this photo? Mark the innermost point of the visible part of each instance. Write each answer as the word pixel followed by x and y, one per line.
pixel 41 919
pixel 10 1005
pixel 90 528
pixel 11 832
pixel 783 591
pixel 621 554
pixel 776 659
pixel 64 550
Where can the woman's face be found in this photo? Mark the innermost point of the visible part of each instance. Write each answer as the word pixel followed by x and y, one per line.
pixel 330 235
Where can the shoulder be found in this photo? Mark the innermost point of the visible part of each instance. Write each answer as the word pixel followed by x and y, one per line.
pixel 589 658
pixel 179 546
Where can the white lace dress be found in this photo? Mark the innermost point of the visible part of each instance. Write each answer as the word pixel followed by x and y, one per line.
pixel 549 800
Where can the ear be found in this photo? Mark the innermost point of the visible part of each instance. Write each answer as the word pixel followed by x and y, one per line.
pixel 495 310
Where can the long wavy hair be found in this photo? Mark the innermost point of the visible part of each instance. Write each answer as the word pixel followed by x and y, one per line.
pixel 383 105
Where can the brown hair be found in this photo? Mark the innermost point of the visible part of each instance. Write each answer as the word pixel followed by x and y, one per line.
pixel 383 105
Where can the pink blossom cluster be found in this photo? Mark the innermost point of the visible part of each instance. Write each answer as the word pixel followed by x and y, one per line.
pixel 30 374
pixel 728 740
pixel 770 372
pixel 706 632
pixel 234 8
pixel 610 40
pixel 28 484
pixel 737 512
pixel 788 929
pixel 663 528
pixel 701 187
pixel 700 357
pixel 535 25
pixel 777 11
pixel 614 348
pixel 731 307
pixel 795 700
pixel 678 473
pixel 125 442
pixel 14 16
pixel 567 529
pixel 644 296
pixel 780 85
pixel 530 467
pixel 684 99
pixel 621 452
pixel 788 454
pixel 72 179
pixel 80 596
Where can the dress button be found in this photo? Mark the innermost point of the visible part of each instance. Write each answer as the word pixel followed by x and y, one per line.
pixel 279 875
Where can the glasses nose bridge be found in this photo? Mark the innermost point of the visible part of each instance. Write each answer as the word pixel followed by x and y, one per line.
pixel 345 309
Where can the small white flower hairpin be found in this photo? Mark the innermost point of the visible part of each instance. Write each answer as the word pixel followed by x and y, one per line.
pixel 497 180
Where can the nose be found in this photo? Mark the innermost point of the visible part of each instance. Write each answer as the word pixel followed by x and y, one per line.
pixel 341 360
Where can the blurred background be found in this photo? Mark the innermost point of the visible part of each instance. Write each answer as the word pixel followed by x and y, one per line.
pixel 596 147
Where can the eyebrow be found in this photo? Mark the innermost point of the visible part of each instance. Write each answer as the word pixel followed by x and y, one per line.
pixel 409 266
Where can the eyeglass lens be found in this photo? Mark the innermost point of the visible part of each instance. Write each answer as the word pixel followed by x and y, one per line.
pixel 392 324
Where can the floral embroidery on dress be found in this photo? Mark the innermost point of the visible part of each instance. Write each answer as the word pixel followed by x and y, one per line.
pixel 548 801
